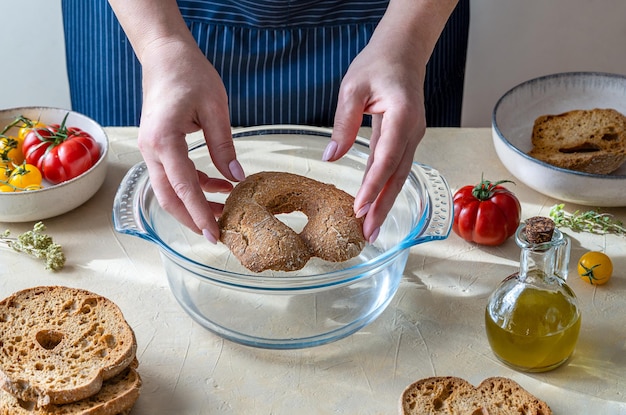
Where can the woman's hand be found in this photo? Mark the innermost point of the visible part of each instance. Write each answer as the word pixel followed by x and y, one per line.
pixel 393 93
pixel 386 80
pixel 182 94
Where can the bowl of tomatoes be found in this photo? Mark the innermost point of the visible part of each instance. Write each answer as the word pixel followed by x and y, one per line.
pixel 52 160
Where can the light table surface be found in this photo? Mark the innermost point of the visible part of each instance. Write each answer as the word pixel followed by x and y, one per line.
pixel 433 327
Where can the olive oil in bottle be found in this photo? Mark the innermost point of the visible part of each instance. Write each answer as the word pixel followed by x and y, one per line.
pixel 532 319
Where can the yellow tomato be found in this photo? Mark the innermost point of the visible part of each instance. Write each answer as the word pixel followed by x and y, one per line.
pixel 6 188
pixel 26 177
pixel 5 170
pixel 11 149
pixel 595 268
pixel 29 125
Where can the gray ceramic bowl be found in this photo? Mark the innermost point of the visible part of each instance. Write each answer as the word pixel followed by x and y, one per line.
pixel 512 123
pixel 324 301
pixel 54 200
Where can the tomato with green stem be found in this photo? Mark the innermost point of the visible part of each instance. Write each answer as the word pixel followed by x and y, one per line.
pixel 6 167
pixel 595 268
pixel 486 213
pixel 61 153
pixel 27 126
pixel 11 142
pixel 25 177
pixel 11 149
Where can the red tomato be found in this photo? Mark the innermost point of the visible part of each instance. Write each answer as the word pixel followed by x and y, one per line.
pixel 487 213
pixel 60 153
pixel 35 144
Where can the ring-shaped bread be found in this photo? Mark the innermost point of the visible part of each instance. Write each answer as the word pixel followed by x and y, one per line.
pixel 262 242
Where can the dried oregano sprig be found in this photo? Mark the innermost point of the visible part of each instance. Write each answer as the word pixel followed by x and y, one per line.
pixel 36 244
pixel 590 221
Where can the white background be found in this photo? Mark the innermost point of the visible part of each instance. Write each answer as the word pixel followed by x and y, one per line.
pixel 510 41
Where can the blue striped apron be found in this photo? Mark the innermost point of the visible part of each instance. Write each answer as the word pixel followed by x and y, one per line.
pixel 281 61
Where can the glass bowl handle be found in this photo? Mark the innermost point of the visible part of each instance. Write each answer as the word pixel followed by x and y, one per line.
pixel 126 215
pixel 440 206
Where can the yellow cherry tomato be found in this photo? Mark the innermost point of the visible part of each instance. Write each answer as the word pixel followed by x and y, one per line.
pixel 12 138
pixel 28 125
pixel 595 268
pixel 11 149
pixel 6 188
pixel 6 167
pixel 26 177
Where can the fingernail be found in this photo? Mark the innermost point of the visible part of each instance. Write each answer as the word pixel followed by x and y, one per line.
pixel 363 211
pixel 209 236
pixel 236 170
pixel 330 150
pixel 374 235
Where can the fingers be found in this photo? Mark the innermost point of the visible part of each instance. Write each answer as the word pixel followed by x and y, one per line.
pixel 219 141
pixel 377 211
pixel 177 197
pixel 374 136
pixel 348 119
pixel 383 180
pixel 178 188
pixel 393 143
pixel 213 184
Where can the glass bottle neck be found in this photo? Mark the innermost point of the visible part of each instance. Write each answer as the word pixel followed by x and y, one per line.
pixel 539 262
pixel 547 259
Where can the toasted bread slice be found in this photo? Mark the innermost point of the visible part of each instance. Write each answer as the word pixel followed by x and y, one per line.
pixel 116 397
pixel 58 344
pixel 453 395
pixel 592 141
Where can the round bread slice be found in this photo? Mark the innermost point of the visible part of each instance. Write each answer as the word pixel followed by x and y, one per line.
pixel 116 397
pixel 452 395
pixel 58 344
pixel 502 395
pixel 591 141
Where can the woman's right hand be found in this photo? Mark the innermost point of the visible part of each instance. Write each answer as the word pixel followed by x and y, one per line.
pixel 183 93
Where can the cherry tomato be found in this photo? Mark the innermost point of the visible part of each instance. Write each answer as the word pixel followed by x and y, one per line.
pixel 60 152
pixel 25 177
pixel 28 125
pixel 486 213
pixel 6 188
pixel 5 170
pixel 12 138
pixel 11 149
pixel 595 268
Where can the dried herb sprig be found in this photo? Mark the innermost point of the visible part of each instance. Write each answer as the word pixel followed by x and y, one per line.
pixel 591 221
pixel 36 244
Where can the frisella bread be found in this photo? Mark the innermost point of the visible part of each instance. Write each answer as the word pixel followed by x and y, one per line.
pixel 116 397
pixel 446 395
pixel 261 241
pixel 591 141
pixel 60 345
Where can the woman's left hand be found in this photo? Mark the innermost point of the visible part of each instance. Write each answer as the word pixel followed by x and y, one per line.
pixel 386 80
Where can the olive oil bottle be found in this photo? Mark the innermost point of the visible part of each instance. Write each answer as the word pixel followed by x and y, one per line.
pixel 532 319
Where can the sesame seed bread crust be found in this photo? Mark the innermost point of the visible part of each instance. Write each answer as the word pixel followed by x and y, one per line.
pixel 117 397
pixel 449 395
pixel 58 344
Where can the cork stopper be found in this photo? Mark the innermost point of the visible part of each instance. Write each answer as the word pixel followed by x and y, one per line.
pixel 539 229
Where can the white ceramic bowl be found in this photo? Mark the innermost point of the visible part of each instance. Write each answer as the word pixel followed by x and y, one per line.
pixel 512 122
pixel 54 200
